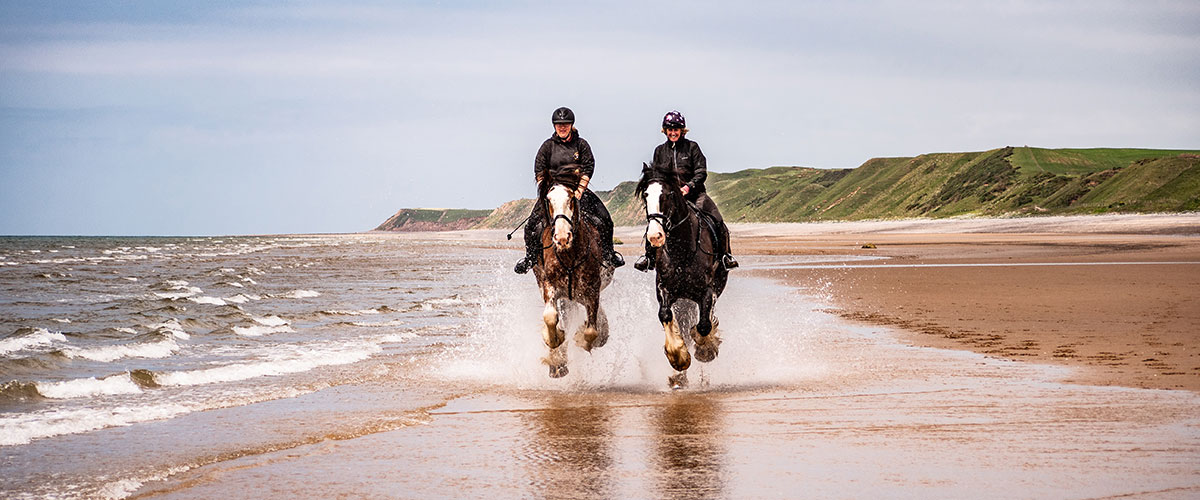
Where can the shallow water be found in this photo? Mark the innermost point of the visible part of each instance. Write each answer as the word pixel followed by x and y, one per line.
pixel 408 366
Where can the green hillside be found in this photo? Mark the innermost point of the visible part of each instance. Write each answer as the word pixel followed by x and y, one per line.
pixel 1005 181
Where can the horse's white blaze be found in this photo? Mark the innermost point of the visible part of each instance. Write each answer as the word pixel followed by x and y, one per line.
pixel 559 198
pixel 655 233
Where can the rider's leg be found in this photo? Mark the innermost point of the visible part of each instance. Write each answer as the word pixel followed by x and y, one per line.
pixel 604 226
pixel 533 243
pixel 709 207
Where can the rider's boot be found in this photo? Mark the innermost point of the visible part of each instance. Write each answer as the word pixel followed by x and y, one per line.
pixel 524 264
pixel 531 250
pixel 645 262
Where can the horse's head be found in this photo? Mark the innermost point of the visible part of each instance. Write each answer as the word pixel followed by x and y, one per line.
pixel 659 189
pixel 558 189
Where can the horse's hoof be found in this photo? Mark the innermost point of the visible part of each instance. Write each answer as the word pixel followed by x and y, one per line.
pixel 680 362
pixel 559 371
pixel 677 381
pixel 706 353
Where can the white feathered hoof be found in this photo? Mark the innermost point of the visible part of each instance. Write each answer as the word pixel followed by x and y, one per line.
pixel 558 371
pixel 677 381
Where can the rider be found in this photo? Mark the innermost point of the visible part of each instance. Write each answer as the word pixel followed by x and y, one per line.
pixel 685 157
pixel 563 148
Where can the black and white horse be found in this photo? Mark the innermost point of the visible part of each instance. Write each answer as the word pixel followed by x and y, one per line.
pixel 687 266
pixel 571 267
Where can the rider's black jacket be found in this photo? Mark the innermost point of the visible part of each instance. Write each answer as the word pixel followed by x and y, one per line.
pixel 688 161
pixel 556 152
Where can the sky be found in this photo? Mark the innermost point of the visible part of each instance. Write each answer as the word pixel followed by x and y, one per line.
pixel 226 118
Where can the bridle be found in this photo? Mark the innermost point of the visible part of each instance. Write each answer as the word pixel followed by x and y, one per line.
pixel 668 227
pixel 571 224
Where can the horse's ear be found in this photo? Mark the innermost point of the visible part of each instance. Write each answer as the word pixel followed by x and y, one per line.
pixel 645 167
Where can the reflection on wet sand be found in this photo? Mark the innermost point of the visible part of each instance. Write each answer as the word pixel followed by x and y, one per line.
pixel 687 447
pixel 573 450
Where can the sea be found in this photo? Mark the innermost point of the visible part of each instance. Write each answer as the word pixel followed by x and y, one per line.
pixel 129 363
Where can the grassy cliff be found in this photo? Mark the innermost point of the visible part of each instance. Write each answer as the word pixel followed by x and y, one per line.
pixel 1005 181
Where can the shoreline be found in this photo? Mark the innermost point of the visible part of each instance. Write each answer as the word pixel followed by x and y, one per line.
pixel 1117 298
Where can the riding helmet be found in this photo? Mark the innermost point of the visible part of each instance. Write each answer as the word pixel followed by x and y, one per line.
pixel 674 119
pixel 563 115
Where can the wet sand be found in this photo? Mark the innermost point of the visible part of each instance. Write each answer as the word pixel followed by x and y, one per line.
pixel 806 403
pixel 1118 296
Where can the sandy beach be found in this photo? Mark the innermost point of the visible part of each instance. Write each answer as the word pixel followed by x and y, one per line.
pixel 1030 358
pixel 1116 296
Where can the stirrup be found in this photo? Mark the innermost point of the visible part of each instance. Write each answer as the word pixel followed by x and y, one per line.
pixel 616 259
pixel 644 263
pixel 523 265
pixel 728 261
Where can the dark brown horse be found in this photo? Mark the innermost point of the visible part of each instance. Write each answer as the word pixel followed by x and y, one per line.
pixel 686 266
pixel 570 269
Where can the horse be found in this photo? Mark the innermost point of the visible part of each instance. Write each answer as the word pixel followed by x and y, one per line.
pixel 687 266
pixel 570 269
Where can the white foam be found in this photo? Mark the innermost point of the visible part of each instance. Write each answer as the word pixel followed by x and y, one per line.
pixel 255 331
pixel 41 336
pixel 397 337
pixel 61 320
pixel 160 349
pixel 179 293
pixel 294 363
pixel 342 312
pixel 130 331
pixel 394 322
pixel 87 387
pixel 270 321
pixel 173 327
pixel 300 294
pixel 204 299
pixel 21 428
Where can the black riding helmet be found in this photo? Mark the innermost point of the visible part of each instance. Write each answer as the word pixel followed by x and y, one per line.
pixel 563 115
pixel 674 119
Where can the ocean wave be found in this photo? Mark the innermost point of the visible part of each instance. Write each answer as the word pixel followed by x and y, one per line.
pixel 397 337
pixel 179 293
pixel 24 338
pixel 299 294
pixel 106 354
pixel 255 331
pixel 25 427
pixel 270 320
pixel 204 299
pixel 341 312
pixel 430 304
pixel 88 387
pixel 16 390
pixel 394 322
pixel 298 362
pixel 242 298
pixel 171 327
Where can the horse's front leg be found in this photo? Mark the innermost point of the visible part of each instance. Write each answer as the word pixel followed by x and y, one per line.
pixel 705 337
pixel 675 348
pixel 590 332
pixel 554 336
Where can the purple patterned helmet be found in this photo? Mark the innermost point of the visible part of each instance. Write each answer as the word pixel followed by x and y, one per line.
pixel 674 119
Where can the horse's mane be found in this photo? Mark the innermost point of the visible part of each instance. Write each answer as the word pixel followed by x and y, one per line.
pixel 661 173
pixel 568 175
